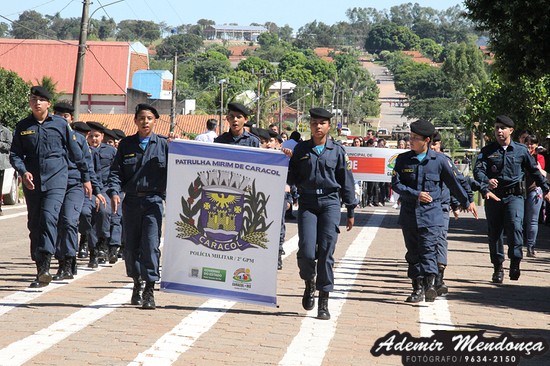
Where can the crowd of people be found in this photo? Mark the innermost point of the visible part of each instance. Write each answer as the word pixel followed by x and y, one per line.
pixel 83 179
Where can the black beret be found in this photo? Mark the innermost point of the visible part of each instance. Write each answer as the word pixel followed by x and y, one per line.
pixel 110 133
pixel 40 91
pixel 238 107
pixel 320 113
pixel 423 128
pixel 147 107
pixel 63 107
pixel 249 124
pixel 505 120
pixel 96 126
pixel 272 133
pixel 436 137
pixel 119 133
pixel 80 126
pixel 260 132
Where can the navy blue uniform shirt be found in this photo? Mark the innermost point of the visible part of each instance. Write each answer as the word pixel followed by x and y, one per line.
pixel 411 176
pixel 244 139
pixel 44 149
pixel 508 167
pixel 134 170
pixel 329 170
pixel 74 173
pixel 103 156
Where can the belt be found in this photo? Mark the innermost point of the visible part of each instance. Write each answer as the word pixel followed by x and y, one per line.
pixel 143 194
pixel 318 191
pixel 508 191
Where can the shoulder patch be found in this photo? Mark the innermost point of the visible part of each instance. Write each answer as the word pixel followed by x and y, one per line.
pixel 129 155
pixel 27 132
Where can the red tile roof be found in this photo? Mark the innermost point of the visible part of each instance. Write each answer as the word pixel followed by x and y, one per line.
pixel 194 124
pixel 108 66
pixel 418 57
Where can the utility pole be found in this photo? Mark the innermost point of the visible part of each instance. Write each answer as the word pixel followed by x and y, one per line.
pixel 174 92
pixel 222 81
pixel 281 106
pixel 79 74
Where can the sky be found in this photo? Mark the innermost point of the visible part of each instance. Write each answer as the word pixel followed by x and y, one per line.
pixel 295 13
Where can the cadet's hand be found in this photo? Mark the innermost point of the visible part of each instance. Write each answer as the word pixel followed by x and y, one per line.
pixel 287 151
pixel 287 188
pixel 493 183
pixel 88 189
pixel 350 223
pixel 455 214
pixel 492 196
pixel 172 136
pixel 424 197
pixel 99 199
pixel 473 210
pixel 547 196
pixel 115 202
pixel 28 181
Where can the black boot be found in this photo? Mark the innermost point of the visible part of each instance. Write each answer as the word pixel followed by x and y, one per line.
pixel 101 250
pixel 83 247
pixel 43 277
pixel 322 309
pixel 36 283
pixel 498 274
pixel 68 268
pixel 136 292
pixel 148 296
pixel 440 285
pixel 59 274
pixel 308 300
pixel 418 290
pixel 113 254
pixel 92 263
pixel 430 292
pixel 514 269
pixel 280 261
pixel 74 266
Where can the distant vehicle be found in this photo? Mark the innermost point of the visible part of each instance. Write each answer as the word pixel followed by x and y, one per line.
pixel 345 131
pixel 10 188
pixel 383 132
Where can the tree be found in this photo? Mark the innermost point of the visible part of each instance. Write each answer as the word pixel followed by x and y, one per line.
pixel 137 30
pixel 106 28
pixel 255 65
pixel 4 29
pixel 13 94
pixel 389 36
pixel 464 66
pixel 183 44
pixel 285 33
pixel 518 32
pixel 64 28
pixel 430 49
pixel 30 25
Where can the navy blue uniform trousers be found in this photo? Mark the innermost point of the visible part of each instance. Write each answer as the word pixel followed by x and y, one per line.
pixel 67 237
pixel 505 216
pixel 43 214
pixel 421 246
pixel 142 221
pixel 318 220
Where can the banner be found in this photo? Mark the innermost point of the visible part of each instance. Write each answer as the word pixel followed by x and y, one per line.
pixel 224 206
pixel 372 164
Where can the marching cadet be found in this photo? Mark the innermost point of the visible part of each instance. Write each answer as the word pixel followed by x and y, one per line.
pixel 67 238
pixel 417 177
pixel 85 219
pixel 42 146
pixel 140 171
pixel 237 116
pixel 321 170
pixel 98 241
pixel 116 217
pixel 500 170
pixel 448 204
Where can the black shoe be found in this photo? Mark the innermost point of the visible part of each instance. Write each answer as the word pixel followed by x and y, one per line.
pixel 148 296
pixel 514 269
pixel 44 275
pixel 59 274
pixel 74 266
pixel 440 285
pixel 531 252
pixel 113 254
pixel 83 247
pixel 308 300
pixel 498 274
pixel 37 284
pixel 322 310
pixel 430 293
pixel 93 263
pixel 136 293
pixel 418 291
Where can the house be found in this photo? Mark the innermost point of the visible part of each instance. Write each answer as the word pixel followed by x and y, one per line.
pixel 234 32
pixel 188 124
pixel 109 68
